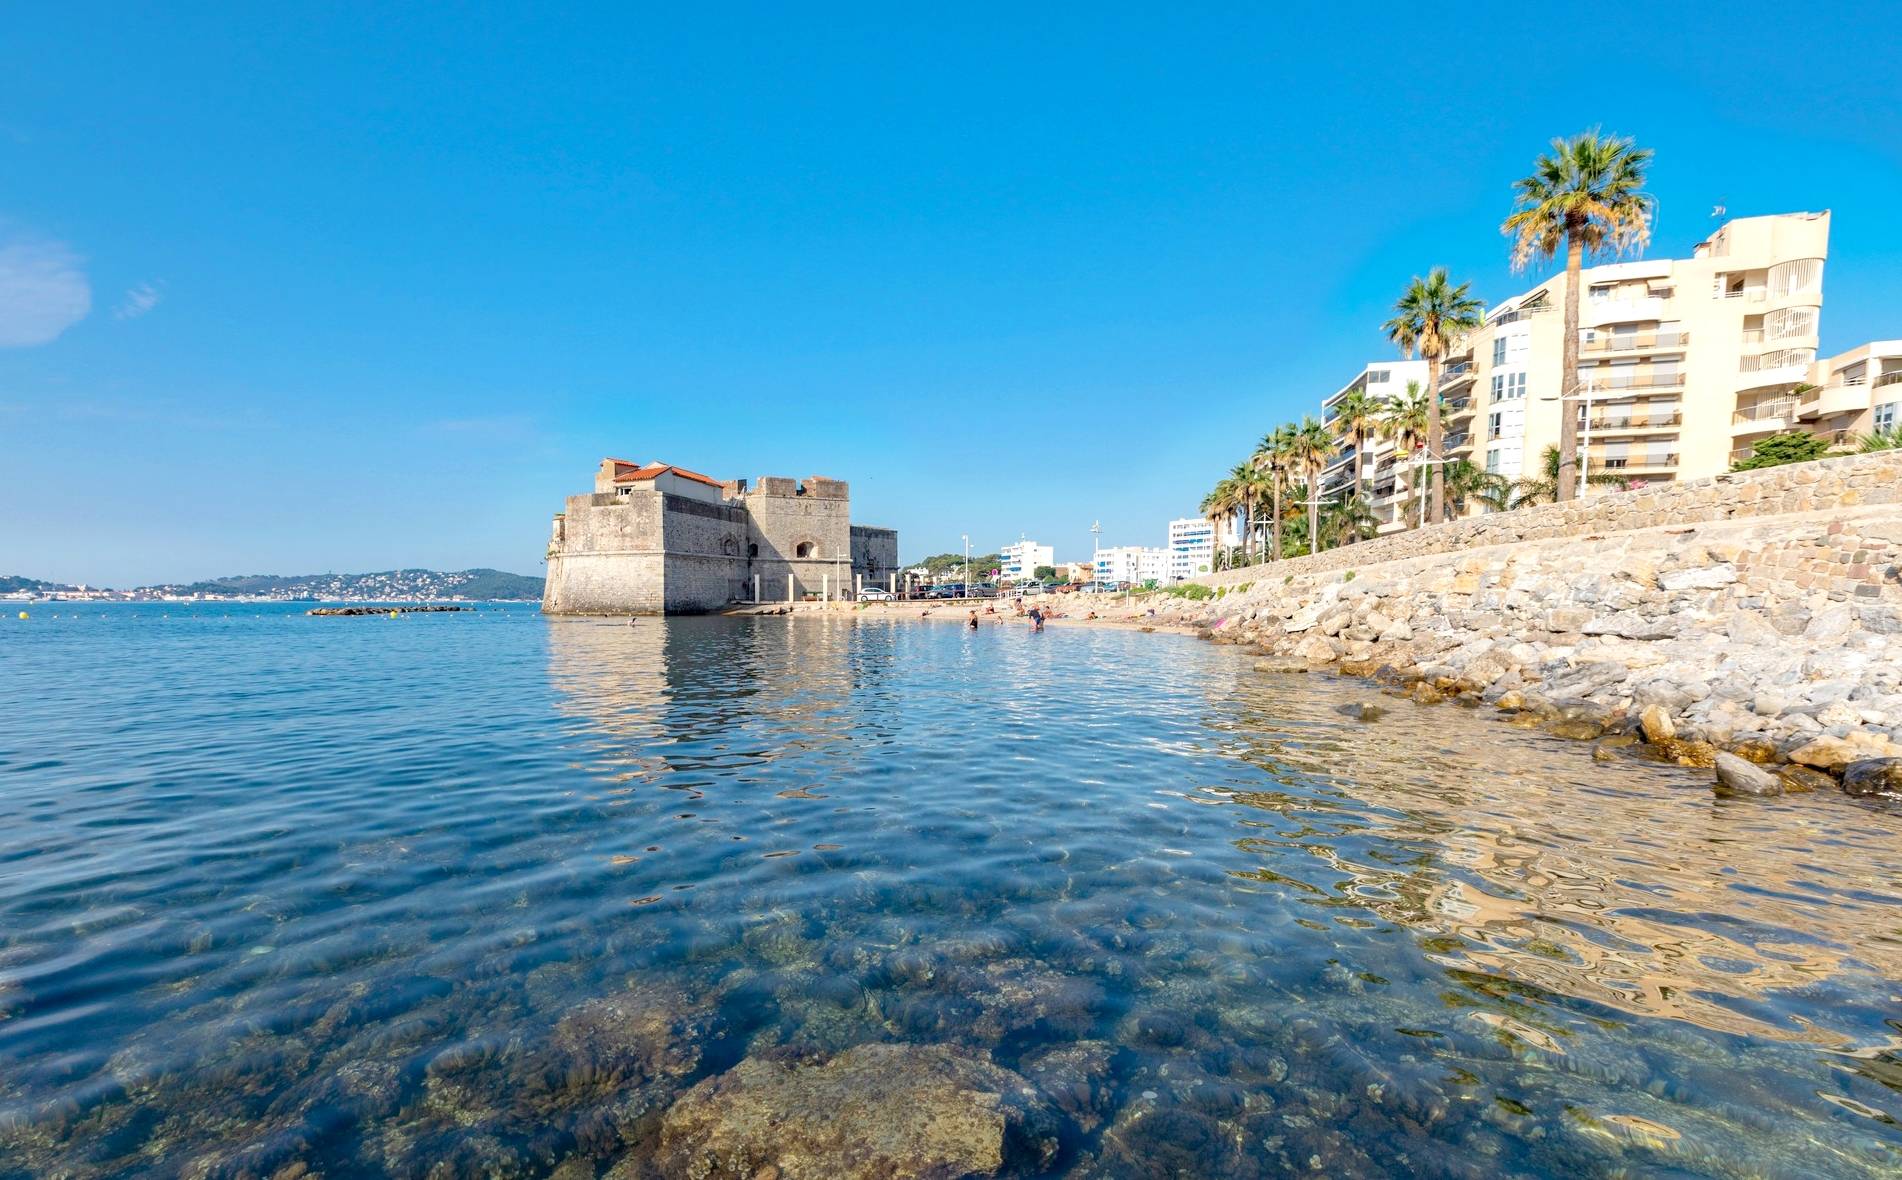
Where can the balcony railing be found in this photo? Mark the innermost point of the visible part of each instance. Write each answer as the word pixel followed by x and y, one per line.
pixel 1781 358
pixel 1460 405
pixel 1633 342
pixel 1781 408
pixel 1460 371
pixel 1637 421
pixel 1635 462
pixel 1651 380
pixel 1889 379
pixel 1456 441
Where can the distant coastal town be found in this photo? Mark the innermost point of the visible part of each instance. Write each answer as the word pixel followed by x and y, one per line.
pixel 410 585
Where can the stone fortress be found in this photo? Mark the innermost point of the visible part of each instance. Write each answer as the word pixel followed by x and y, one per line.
pixel 655 539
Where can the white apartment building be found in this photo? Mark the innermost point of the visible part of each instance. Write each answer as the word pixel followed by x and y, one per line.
pixel 1385 480
pixel 1023 559
pixel 1191 547
pixel 1132 563
pixel 1683 363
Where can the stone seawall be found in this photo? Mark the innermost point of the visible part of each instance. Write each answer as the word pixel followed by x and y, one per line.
pixel 1850 481
pixel 1723 626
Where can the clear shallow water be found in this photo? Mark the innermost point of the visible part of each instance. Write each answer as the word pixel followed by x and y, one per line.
pixel 482 893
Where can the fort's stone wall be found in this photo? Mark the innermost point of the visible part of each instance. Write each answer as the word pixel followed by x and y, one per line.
pixel 643 551
pixel 605 557
pixel 874 553
pixel 801 533
pixel 1846 482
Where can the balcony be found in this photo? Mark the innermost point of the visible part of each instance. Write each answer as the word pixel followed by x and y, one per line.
pixel 1635 464
pixel 1894 378
pixel 1456 373
pixel 1454 442
pixel 1637 422
pixel 1453 407
pixel 1636 342
pixel 1600 379
pixel 1850 397
pixel 1764 416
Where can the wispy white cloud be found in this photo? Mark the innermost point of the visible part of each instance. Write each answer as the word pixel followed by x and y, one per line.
pixel 139 300
pixel 43 289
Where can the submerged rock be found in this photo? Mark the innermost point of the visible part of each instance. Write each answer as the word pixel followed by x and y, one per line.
pixel 895 1112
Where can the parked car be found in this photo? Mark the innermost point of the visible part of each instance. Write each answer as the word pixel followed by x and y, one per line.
pixel 874 594
pixel 948 590
pixel 1029 588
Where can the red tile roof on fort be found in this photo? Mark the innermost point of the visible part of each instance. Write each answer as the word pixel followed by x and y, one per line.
pixel 656 470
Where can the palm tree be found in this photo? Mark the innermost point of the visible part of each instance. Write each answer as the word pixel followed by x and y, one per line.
pixel 1546 487
pixel 1271 455
pixel 1405 422
pixel 1587 195
pixel 1348 521
pixel 1428 318
pixel 1217 506
pixel 1356 418
pixel 1467 483
pixel 1310 448
pixel 1247 495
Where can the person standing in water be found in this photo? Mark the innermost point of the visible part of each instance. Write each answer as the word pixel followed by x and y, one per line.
pixel 1036 618
pixel 972 622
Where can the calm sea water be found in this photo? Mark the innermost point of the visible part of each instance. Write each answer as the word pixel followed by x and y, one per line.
pixel 478 894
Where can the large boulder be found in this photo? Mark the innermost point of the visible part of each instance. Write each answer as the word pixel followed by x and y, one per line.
pixel 1873 776
pixel 895 1112
pixel 1737 777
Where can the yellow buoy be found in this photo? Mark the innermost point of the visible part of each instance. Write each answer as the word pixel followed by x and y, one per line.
pixel 393 614
pixel 23 614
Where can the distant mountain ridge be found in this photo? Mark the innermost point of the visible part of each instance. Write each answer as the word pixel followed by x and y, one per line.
pixel 382 586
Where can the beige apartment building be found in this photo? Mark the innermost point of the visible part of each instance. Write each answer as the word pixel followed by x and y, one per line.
pixel 1682 362
pixel 1384 478
pixel 1852 394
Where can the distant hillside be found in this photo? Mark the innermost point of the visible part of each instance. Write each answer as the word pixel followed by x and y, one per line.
pixel 387 584
pixel 9 584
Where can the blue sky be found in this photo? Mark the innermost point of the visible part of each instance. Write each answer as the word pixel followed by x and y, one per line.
pixel 352 287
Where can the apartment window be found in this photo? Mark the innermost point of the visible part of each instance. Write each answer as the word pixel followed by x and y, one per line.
pixel 1499 351
pixel 1885 415
pixel 1492 460
pixel 1378 376
pixel 1493 421
pixel 623 491
pixel 1507 386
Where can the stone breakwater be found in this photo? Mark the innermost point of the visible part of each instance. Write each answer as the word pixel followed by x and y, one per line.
pixel 1741 640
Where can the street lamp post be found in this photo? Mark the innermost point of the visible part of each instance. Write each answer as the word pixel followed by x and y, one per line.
pixel 965 590
pixel 1584 397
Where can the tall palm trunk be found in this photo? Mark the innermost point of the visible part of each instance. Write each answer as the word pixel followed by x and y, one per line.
pixel 1436 501
pixel 1314 509
pixel 1568 377
pixel 1275 523
pixel 1360 441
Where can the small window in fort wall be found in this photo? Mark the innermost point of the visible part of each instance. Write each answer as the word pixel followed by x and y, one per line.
pixel 804 550
pixel 752 550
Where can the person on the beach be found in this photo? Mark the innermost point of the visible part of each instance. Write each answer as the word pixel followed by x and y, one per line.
pixel 1036 619
pixel 972 624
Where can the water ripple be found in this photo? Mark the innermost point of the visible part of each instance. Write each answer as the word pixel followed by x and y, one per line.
pixel 479 894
